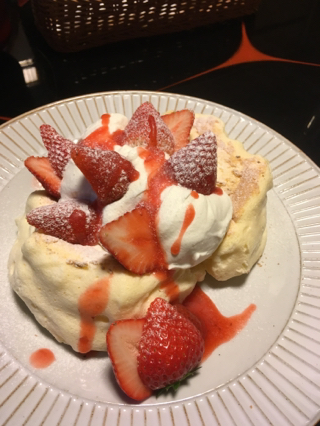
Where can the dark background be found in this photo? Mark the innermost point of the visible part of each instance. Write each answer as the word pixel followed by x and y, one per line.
pixel 282 95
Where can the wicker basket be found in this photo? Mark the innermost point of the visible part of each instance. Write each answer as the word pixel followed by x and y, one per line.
pixel 73 25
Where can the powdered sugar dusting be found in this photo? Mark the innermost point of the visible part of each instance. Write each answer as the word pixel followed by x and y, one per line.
pixel 138 131
pixel 248 185
pixel 195 166
pixel 58 147
pixel 107 171
pixel 69 220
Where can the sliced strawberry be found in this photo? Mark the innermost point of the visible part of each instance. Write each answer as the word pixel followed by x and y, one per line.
pixel 122 344
pixel 68 220
pixel 132 240
pixel 41 168
pixel 58 147
pixel 180 124
pixel 170 346
pixel 146 128
pixel 108 173
pixel 195 165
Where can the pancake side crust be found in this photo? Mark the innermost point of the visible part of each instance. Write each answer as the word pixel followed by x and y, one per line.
pixel 246 178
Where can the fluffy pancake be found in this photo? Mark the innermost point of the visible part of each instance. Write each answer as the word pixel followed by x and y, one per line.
pixel 246 178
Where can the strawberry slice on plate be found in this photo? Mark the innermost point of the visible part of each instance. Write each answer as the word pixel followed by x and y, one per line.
pixel 122 345
pixel 108 173
pixel 146 128
pixel 132 240
pixel 195 165
pixel 68 220
pixel 180 124
pixel 42 169
pixel 58 147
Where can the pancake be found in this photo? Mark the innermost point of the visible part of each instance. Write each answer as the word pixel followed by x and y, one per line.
pixel 246 178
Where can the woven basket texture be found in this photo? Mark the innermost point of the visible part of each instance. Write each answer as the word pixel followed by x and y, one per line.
pixel 74 25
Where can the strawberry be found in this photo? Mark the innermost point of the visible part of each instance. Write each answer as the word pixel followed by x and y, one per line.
pixel 180 123
pixel 146 128
pixel 132 240
pixel 191 317
pixel 41 168
pixel 69 220
pixel 122 345
pixel 58 147
pixel 108 173
pixel 170 346
pixel 195 165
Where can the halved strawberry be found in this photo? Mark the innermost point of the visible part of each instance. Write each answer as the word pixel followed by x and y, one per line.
pixel 146 128
pixel 132 240
pixel 122 345
pixel 58 147
pixel 180 123
pixel 41 168
pixel 170 346
pixel 68 220
pixel 108 173
pixel 195 165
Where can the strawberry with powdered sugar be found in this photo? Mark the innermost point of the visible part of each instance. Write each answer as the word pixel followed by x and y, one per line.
pixel 146 128
pixel 49 170
pixel 58 147
pixel 195 165
pixel 68 220
pixel 108 173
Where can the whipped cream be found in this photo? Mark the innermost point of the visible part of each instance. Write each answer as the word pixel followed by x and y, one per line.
pixel 190 233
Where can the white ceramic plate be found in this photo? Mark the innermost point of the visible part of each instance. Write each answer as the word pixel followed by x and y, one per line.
pixel 268 374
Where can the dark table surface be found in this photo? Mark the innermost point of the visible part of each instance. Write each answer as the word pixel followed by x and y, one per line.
pixel 266 65
pixel 274 78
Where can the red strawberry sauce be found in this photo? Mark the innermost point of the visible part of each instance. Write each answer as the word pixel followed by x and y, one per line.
pixel 42 358
pixel 101 137
pixel 217 329
pixel 168 284
pixel 188 218
pixel 91 303
pixel 194 194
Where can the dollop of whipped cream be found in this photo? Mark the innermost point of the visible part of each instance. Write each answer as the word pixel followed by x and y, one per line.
pixel 190 226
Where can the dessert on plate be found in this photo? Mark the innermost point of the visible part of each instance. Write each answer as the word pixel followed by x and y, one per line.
pixel 130 219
